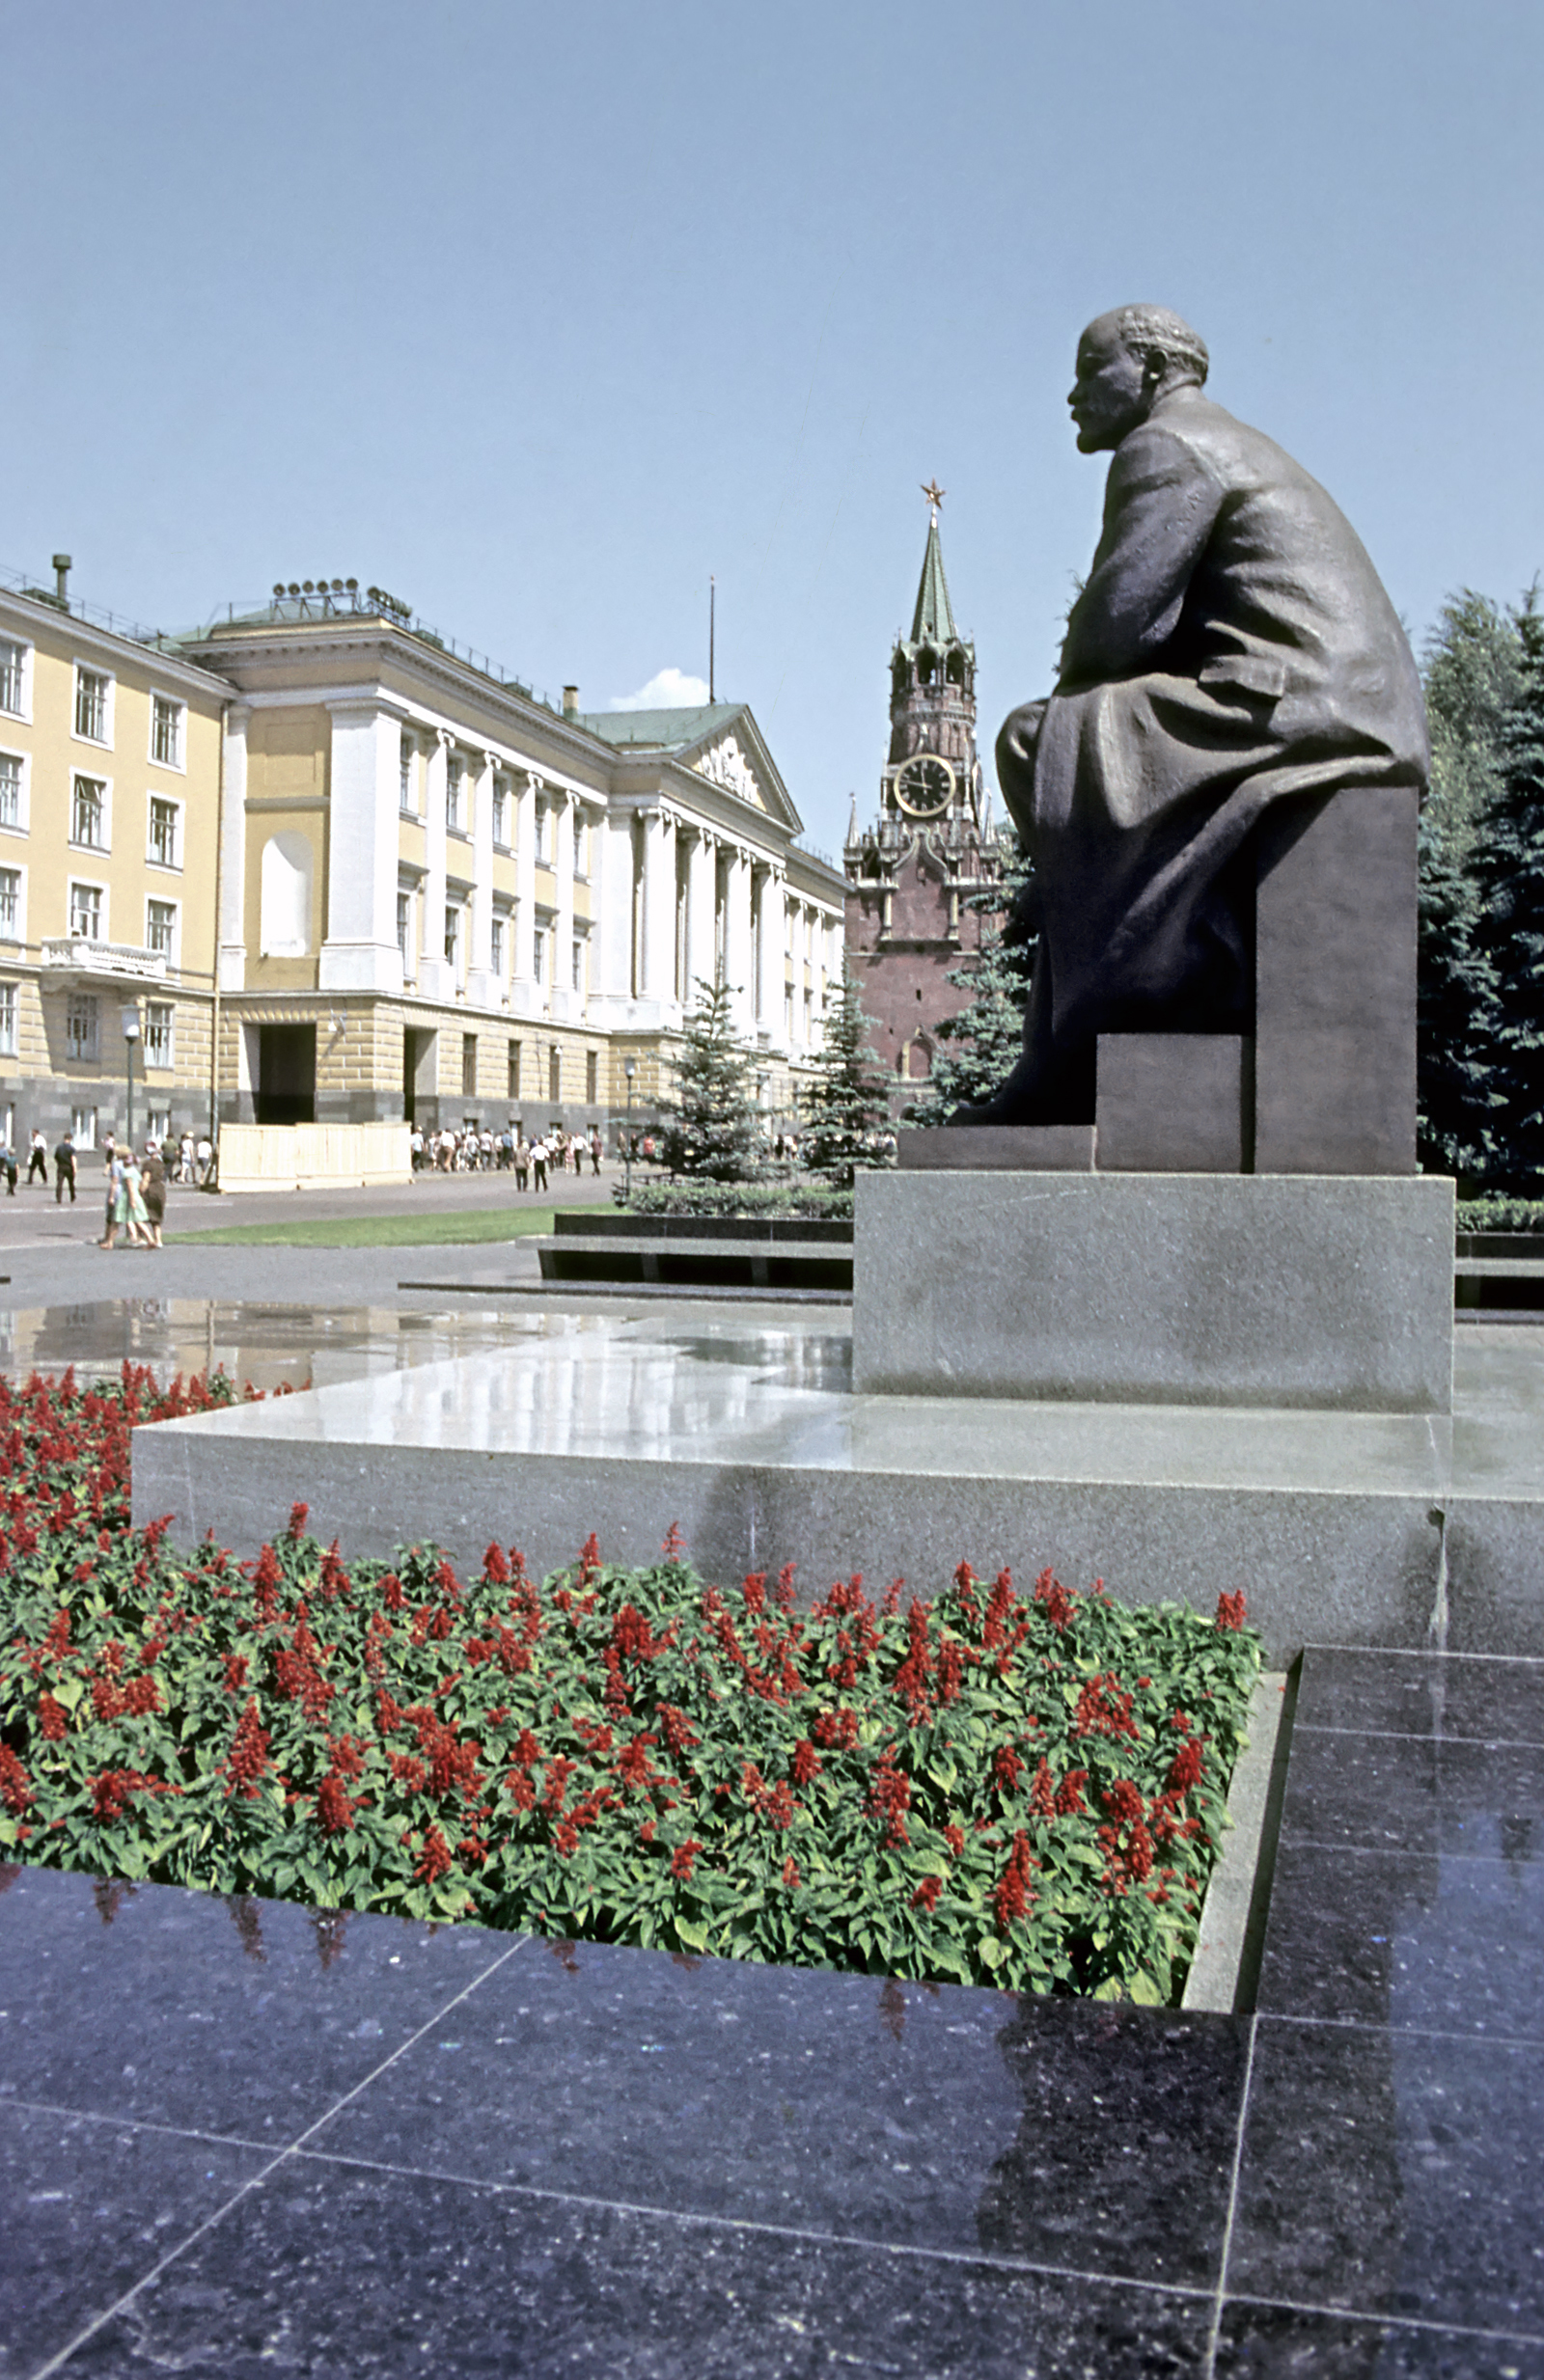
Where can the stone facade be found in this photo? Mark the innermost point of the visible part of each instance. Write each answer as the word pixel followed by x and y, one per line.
pixel 912 870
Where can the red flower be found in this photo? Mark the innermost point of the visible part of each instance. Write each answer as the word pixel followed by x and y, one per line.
pixel 1069 1801
pixel 925 1896
pixel 684 1858
pixel 434 1859
pixel 1005 1766
pixel 566 1839
pixel 588 1559
pixel 334 1812
pixel 298 1516
pixel 790 1874
pixel 1013 1892
pixel 142 1697
pixel 495 1568
pixel 1230 1610
pixel 805 1762
pixel 1054 1601
pixel 408 1773
pixel 16 1786
pixel 1185 1769
pixel 235 1672
pixel 52 1718
pixel 1104 1709
pixel 248 1758
pixel 674 1544
pixel 955 1840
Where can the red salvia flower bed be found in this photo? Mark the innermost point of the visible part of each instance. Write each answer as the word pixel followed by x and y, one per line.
pixel 1022 1788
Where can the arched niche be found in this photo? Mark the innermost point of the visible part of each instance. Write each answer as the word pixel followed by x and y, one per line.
pixel 284 929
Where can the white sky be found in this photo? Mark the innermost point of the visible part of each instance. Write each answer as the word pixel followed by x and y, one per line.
pixel 537 316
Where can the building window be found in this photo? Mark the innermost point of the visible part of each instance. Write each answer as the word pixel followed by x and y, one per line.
pixel 161 927
pixel 500 812
pixel 160 1123
pixel 86 913
pixel 13 678
pixel 453 774
pixel 81 1034
pixel 406 800
pixel 578 962
pixel 83 1127
pixel 92 692
pixel 9 789
pixel 469 1066
pixel 166 731
pixel 88 814
pixel 496 948
pixel 591 1075
pixel 514 1070
pixel 165 848
pixel 8 1020
pixel 452 934
pixel 158 1032
pixel 404 915
pixel 555 1075
pixel 545 834
pixel 581 842
pixel 539 954
pixel 9 904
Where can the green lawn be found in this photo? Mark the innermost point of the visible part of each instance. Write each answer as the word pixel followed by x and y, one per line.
pixel 377 1230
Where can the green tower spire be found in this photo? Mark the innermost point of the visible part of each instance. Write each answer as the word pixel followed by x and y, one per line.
pixel 933 619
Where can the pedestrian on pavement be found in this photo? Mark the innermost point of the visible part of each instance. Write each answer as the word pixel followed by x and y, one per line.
pixel 185 1159
pixel 153 1193
pixel 522 1163
pixel 594 1151
pixel 65 1169
pixel 37 1160
pixel 205 1155
pixel 540 1154
pixel 117 1198
pixel 8 1159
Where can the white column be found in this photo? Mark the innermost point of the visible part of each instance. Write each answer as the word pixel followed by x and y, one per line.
pixel 800 940
pixel 659 905
pixel 566 1003
pixel 739 957
pixel 231 927
pixel 610 931
pixel 770 958
pixel 435 980
pixel 360 952
pixel 523 994
pixel 482 986
pixel 702 869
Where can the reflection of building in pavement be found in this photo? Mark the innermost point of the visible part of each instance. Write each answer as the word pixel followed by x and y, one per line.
pixel 912 870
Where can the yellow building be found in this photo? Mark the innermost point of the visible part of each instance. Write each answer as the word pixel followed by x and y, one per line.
pixel 445 898
pixel 110 758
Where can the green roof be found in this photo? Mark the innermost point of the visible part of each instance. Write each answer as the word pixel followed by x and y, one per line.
pixel 669 729
pixel 933 620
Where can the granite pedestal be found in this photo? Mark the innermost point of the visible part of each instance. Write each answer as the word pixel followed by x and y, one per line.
pixel 1211 1290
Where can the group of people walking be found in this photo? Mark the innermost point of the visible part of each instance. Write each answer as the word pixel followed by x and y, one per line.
pixel 483 1150
pixel 136 1196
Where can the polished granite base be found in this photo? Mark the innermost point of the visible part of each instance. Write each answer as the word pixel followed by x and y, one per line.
pixel 241 2137
pixel 1389 1528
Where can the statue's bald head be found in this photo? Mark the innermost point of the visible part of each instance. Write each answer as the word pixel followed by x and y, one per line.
pixel 1161 339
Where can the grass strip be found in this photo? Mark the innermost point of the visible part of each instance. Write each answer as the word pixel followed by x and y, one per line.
pixel 467 1230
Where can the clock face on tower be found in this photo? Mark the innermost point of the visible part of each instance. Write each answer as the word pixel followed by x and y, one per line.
pixel 924 785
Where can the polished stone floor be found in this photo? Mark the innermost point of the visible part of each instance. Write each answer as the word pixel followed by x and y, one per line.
pixel 238 2136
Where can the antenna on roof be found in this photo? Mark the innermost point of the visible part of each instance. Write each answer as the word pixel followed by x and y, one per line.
pixel 712 627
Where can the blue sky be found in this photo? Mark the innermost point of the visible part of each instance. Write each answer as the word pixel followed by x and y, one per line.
pixel 538 315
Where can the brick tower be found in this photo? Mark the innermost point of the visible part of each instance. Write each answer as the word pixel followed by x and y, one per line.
pixel 911 872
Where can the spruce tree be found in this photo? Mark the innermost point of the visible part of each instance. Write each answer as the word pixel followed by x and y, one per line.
pixel 846 1109
pixel 987 1037
pixel 1508 875
pixel 1455 991
pixel 713 1131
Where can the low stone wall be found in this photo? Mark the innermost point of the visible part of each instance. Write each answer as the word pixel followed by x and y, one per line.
pixel 268 1157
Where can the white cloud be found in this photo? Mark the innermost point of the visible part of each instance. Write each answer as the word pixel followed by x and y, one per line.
pixel 667 689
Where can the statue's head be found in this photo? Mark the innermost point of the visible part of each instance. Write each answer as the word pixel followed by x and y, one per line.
pixel 1127 361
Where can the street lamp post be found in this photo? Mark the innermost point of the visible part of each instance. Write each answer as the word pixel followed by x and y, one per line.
pixel 629 1069
pixel 130 1036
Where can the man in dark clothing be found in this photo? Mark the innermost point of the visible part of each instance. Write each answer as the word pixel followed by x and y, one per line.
pixel 1233 651
pixel 65 1171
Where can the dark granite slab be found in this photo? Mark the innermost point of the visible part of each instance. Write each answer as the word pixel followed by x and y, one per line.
pixel 245 2018
pixel 1414 1793
pixel 1292 2342
pixel 1491 1701
pixel 932 2118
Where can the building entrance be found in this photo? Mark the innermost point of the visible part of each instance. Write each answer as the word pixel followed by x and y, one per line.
pixel 287 1074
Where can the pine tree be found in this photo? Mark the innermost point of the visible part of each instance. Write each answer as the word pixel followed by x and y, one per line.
pixel 714 1128
pixel 1455 991
pixel 1508 875
pixel 846 1107
pixel 987 1034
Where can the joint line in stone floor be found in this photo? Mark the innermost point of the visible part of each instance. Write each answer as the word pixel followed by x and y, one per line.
pixel 1417 1735
pixel 1384 2320
pixel 1403 2032
pixel 1218 2293
pixel 759 2226
pixel 139 2123
pixel 1398 1850
pixel 126 2299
